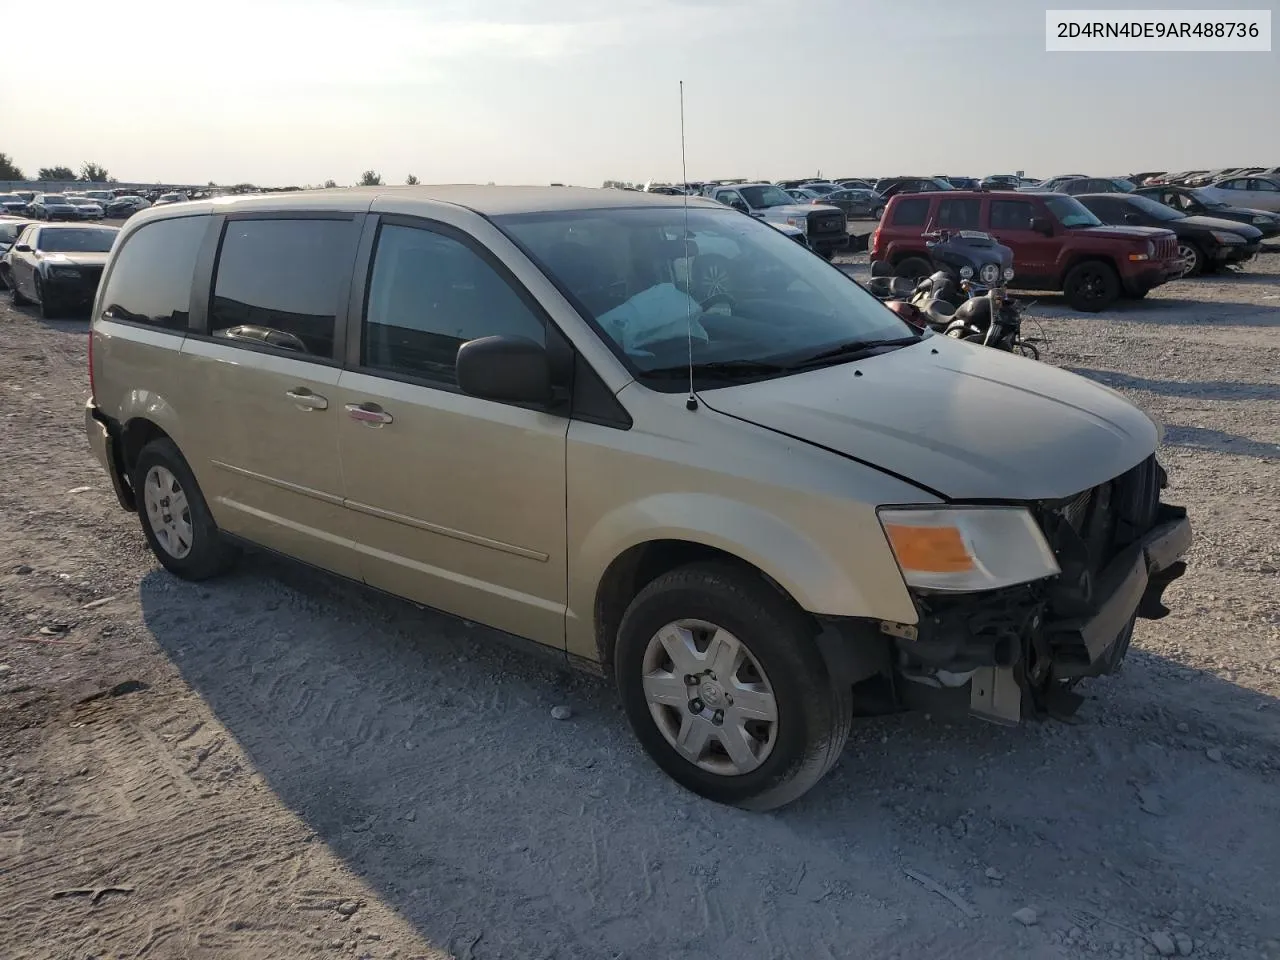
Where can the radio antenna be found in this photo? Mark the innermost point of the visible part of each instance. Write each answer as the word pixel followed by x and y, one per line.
pixel 692 402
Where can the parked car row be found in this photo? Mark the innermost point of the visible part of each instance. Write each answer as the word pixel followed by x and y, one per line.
pixel 55 266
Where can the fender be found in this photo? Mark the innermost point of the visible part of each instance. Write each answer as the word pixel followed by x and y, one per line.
pixel 816 580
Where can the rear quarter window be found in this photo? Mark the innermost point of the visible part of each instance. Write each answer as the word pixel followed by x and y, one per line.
pixel 150 280
pixel 911 212
pixel 959 214
pixel 284 276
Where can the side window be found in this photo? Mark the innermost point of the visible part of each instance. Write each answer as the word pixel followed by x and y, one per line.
pixel 150 281
pixel 1235 185
pixel 728 196
pixel 1266 185
pixel 911 212
pixel 1011 214
pixel 959 214
pixel 278 281
pixel 428 295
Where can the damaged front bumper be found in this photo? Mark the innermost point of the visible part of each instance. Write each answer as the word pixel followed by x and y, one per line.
pixel 1007 654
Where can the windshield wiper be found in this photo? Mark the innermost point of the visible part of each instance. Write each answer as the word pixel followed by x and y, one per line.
pixel 723 369
pixel 854 348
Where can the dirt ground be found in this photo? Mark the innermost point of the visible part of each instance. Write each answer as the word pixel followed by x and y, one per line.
pixel 281 765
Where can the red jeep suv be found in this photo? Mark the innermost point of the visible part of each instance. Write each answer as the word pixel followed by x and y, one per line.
pixel 1057 243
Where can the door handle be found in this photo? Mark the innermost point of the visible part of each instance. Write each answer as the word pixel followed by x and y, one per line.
pixel 369 414
pixel 304 399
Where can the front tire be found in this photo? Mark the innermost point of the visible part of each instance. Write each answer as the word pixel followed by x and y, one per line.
pixel 913 268
pixel 48 311
pixel 14 294
pixel 175 518
pixel 1091 286
pixel 1192 258
pixel 725 689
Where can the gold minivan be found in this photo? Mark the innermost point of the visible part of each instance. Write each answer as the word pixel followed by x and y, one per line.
pixel 647 431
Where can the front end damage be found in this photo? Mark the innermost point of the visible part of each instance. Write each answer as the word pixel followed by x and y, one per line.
pixel 1008 654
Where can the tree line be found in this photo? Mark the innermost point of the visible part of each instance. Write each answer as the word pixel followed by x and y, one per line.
pixel 89 172
pixel 96 173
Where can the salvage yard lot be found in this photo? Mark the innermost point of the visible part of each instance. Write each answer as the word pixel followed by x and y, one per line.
pixel 278 764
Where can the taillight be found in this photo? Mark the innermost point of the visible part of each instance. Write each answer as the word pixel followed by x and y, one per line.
pixel 92 394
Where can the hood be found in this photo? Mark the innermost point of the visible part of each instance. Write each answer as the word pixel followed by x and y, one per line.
pixel 1116 232
pixel 1250 233
pixel 966 421
pixel 802 209
pixel 75 259
pixel 1242 212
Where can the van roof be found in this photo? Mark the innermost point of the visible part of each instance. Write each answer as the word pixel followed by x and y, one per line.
pixel 488 200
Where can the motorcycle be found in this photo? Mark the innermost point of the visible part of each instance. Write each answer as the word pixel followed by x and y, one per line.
pixel 966 297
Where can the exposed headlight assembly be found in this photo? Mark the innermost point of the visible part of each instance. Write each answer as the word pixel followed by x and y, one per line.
pixel 989 273
pixel 65 273
pixel 967 549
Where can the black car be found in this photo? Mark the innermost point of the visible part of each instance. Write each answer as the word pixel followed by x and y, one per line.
pixel 1195 202
pixel 121 208
pixel 57 267
pixel 1204 243
pixel 890 186
pixel 857 204
pixel 961 183
pixel 10 230
pixel 1080 185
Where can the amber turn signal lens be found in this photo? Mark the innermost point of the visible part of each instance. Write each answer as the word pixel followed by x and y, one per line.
pixel 929 549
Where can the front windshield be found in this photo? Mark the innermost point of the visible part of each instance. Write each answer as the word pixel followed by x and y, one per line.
pixel 54 198
pixel 1071 213
pixel 745 294
pixel 1155 209
pixel 76 240
pixel 759 198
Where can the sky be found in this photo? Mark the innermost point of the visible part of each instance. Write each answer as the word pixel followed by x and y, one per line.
pixel 283 92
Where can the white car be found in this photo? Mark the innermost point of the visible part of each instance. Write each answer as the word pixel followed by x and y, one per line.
pixel 1254 193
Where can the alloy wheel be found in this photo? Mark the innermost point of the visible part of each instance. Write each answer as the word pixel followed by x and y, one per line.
pixel 709 697
pixel 1189 256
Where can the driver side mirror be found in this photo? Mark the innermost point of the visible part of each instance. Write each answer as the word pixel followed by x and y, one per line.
pixel 22 247
pixel 739 205
pixel 1042 225
pixel 508 369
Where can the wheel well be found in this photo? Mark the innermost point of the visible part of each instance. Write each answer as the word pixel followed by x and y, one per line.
pixel 137 433
pixel 1089 258
pixel 907 255
pixel 639 566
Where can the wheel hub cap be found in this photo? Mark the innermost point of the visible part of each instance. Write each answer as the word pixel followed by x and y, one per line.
pixel 709 697
pixel 167 512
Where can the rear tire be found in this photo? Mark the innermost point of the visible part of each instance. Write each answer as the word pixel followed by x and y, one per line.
pixel 188 545
pixel 1091 286
pixel 707 608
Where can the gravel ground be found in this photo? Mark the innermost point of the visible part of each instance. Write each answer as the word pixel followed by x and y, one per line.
pixel 281 765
